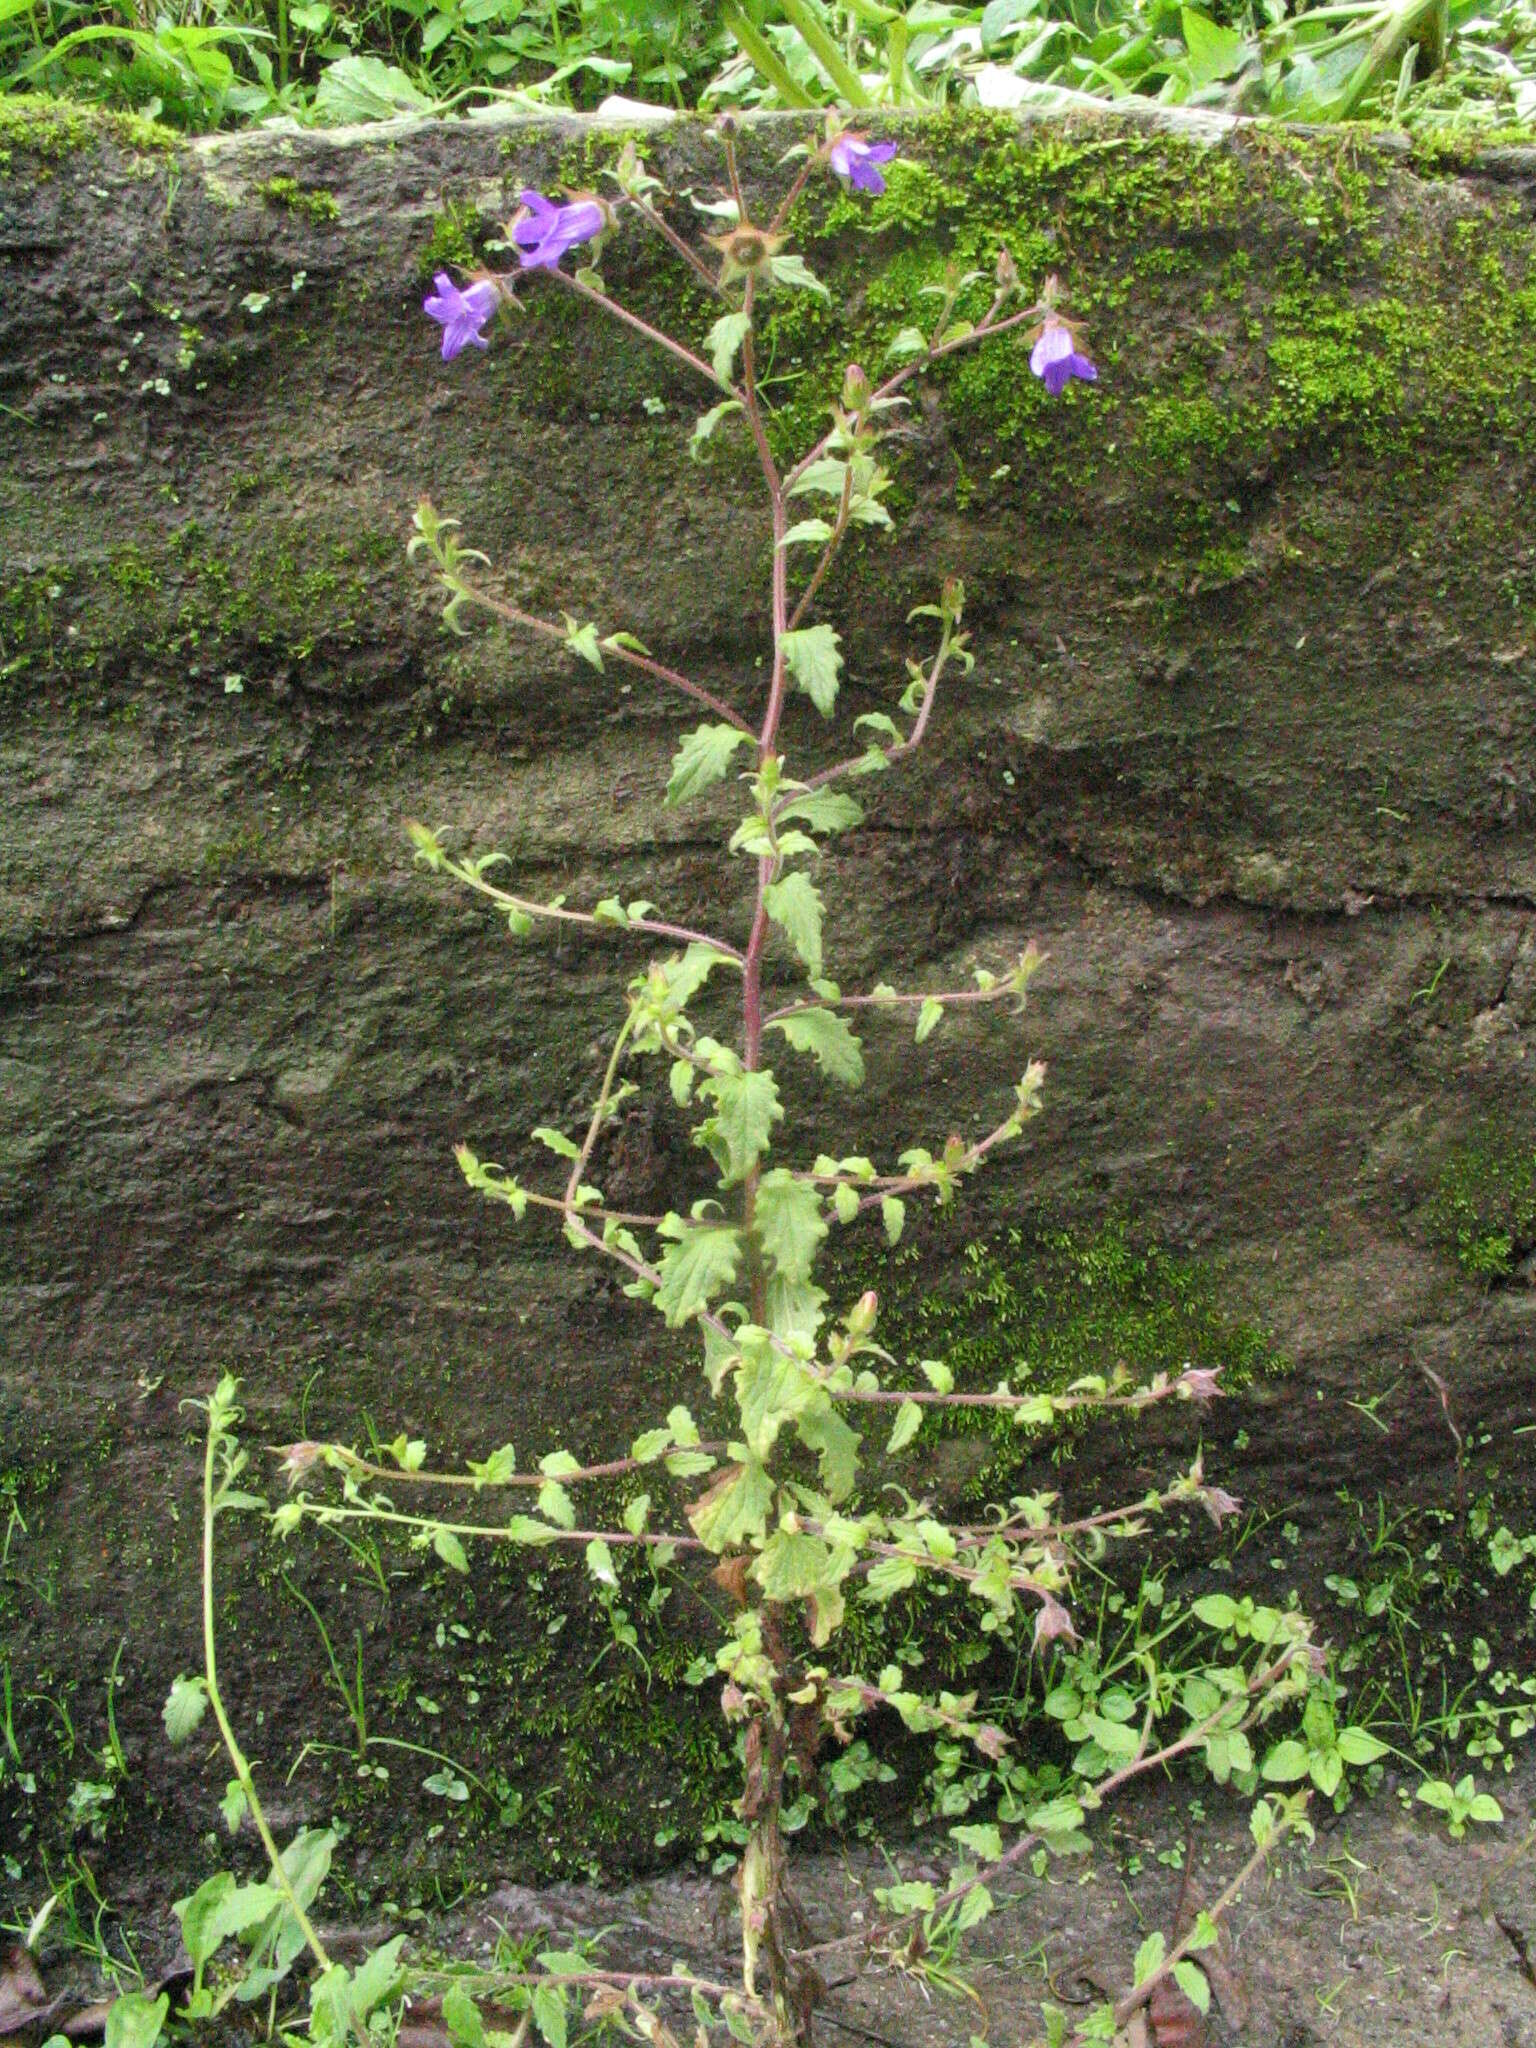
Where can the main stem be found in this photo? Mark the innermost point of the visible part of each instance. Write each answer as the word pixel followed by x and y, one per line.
pixel 762 1870
pixel 237 1755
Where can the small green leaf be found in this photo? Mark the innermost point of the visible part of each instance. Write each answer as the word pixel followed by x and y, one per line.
pixel 983 1840
pixel 697 1268
pixel 829 1039
pixel 815 660
pixel 1191 1980
pixel 909 1418
pixel 804 531
pixel 1358 1747
pixel 1149 1958
pixel 556 1505
pixel 461 2016
pixel 705 425
pixel 794 904
pixel 794 271
pixel 702 760
pixel 746 1109
pixel 582 640
pixel 723 341
pixel 232 1806
pixel 1285 1763
pixel 1216 1610
pixel 1214 52
pixel 600 1563
pixel 184 1708
pixel 789 1222
pixel 735 1509
pixel 136 2020
pixel 929 1015
pixel 556 1141
pixel 450 1550
pixel 893 1214
pixel 823 810
pixel 793 1565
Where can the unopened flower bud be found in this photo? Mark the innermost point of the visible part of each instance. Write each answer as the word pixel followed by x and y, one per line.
pixel 1007 270
pixel 298 1459
pixel 861 1317
pixel 857 392
pixel 952 599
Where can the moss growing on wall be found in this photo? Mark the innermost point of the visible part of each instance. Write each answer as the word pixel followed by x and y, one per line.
pixel 1483 1209
pixel 288 590
pixel 38 132
pixel 310 200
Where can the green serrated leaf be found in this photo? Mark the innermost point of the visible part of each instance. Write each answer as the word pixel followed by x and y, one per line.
pixel 823 810
pixel 556 1505
pixel 772 1389
pixel 796 272
pixel 893 1214
pixel 829 1039
pixel 735 1508
pixel 930 1014
pixel 184 1708
pixel 583 641
pixel 450 1550
pixel 461 2017
pixel 746 1109
pixel 793 1566
pixel 909 1418
pixel 789 1222
pixel 814 658
pixel 804 532
pixel 556 1141
pixel 136 2020
pixel 723 341
pixel 696 1269
pixel 794 904
pixel 702 760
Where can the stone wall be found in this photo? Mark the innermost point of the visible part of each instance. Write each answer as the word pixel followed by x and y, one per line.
pixel 1249 749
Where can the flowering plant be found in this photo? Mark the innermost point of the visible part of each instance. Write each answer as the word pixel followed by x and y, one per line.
pixel 771 1504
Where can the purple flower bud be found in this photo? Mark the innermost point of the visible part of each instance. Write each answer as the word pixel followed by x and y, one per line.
pixel 546 232
pixel 1218 1503
pixel 855 159
pixel 461 315
pixel 1052 1621
pixel 1199 1383
pixel 1055 359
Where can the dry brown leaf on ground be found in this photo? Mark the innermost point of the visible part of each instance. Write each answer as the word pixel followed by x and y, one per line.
pixel 23 1994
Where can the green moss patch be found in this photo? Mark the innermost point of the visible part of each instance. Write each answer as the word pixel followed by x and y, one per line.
pixel 35 129
pixel 1483 1209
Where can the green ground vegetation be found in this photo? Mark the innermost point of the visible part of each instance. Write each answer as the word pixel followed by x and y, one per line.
pixel 1440 66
